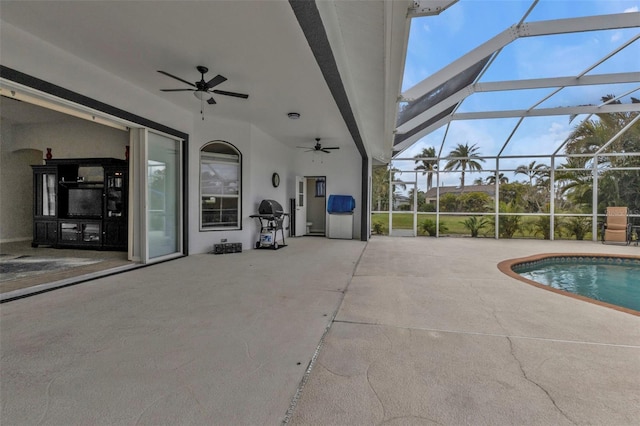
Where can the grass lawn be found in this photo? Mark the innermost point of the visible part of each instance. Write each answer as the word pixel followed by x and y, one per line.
pixel 455 227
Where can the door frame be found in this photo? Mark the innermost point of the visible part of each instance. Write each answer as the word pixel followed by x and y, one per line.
pixel 324 209
pixel 55 97
pixel 301 206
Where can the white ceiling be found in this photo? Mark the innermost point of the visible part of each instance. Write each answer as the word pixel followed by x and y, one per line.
pixel 257 45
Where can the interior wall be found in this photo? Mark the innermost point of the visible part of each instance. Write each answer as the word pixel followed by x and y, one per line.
pixel 72 139
pixel 24 145
pixel 315 207
pixel 16 185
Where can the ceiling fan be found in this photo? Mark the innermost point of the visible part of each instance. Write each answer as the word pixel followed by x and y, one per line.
pixel 319 148
pixel 201 89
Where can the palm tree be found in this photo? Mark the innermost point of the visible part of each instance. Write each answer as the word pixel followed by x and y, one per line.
pixel 380 187
pixel 576 185
pixel 533 171
pixel 616 187
pixel 427 166
pixel 464 157
pixel 491 179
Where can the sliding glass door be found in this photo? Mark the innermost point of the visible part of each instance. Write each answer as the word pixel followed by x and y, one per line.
pixel 157 193
pixel 163 196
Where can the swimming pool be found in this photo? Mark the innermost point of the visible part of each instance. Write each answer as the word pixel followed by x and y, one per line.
pixel 606 280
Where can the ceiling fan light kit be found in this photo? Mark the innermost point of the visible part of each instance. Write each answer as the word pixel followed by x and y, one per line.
pixel 293 115
pixel 203 89
pixel 319 148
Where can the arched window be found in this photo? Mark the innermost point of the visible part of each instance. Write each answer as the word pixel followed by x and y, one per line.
pixel 220 186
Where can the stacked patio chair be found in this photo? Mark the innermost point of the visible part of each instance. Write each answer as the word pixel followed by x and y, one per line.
pixel 616 228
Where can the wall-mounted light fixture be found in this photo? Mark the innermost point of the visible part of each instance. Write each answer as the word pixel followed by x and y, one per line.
pixel 293 115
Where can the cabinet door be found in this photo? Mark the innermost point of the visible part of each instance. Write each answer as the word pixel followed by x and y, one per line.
pixel 116 198
pixel 115 234
pixel 45 232
pixel 90 233
pixel 45 183
pixel 69 232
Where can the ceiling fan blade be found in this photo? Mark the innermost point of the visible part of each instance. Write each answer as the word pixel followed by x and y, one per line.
pixel 325 150
pixel 330 147
pixel 211 101
pixel 234 94
pixel 215 81
pixel 177 78
pixel 177 90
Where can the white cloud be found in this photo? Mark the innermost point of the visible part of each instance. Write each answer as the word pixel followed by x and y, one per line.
pixel 617 36
pixel 426 28
pixel 631 9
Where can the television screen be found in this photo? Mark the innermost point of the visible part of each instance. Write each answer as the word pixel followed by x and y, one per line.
pixel 85 202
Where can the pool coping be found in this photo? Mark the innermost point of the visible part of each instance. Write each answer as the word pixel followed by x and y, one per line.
pixel 506 267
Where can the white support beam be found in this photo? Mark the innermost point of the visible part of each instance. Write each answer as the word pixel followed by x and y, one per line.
pixel 575 25
pixel 558 26
pixel 538 83
pixel 542 112
pixel 414 138
pixel 544 83
pixel 586 109
pixel 429 7
pixel 454 68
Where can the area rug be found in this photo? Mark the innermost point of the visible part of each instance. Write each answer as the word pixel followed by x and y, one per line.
pixel 16 267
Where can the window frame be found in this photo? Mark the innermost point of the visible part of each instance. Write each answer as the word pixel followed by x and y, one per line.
pixel 202 155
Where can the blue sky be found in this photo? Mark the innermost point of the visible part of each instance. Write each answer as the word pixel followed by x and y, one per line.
pixel 436 41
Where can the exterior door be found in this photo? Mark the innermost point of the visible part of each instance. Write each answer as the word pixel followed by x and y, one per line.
pixel 301 206
pixel 157 191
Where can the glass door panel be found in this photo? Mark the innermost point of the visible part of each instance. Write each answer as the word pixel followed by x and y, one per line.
pixel 91 233
pixel 163 196
pixel 69 231
pixel 49 185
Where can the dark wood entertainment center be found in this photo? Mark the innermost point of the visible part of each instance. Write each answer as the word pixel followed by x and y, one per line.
pixel 81 203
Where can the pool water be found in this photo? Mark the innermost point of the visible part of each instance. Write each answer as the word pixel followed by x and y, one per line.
pixel 617 283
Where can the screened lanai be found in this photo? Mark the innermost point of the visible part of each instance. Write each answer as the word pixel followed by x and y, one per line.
pixel 518 119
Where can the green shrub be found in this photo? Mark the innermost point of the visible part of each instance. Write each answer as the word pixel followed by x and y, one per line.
pixel 428 226
pixel 475 224
pixel 378 228
pixel 449 203
pixel 509 225
pixel 474 201
pixel 578 226
pixel 542 226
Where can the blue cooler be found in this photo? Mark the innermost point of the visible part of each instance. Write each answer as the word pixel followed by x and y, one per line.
pixel 340 209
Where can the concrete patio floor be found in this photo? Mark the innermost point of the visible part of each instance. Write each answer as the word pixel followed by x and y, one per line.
pixel 426 331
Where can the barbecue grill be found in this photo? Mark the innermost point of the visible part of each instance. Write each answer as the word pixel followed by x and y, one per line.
pixel 271 217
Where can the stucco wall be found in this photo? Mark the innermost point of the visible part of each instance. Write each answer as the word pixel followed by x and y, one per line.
pixel 342 169
pixel 262 154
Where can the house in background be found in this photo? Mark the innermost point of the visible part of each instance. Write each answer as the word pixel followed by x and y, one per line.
pixel 431 194
pixel 82 79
